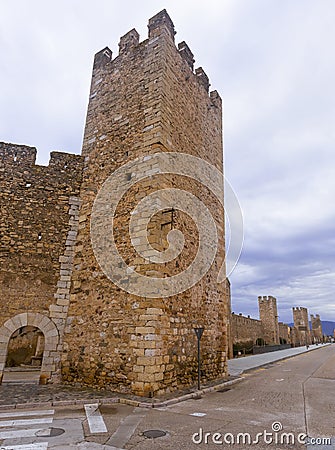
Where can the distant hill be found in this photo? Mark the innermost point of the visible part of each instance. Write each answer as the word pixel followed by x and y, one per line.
pixel 327 327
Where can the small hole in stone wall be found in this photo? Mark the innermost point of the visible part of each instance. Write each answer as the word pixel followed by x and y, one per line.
pixel 28 185
pixel 39 236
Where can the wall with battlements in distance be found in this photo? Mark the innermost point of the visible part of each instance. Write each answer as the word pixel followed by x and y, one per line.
pixel 264 331
pixel 246 329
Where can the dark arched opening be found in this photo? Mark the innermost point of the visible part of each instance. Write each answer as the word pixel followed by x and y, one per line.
pixel 24 355
pixel 260 342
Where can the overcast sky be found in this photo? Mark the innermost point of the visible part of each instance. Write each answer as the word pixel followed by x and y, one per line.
pixel 273 63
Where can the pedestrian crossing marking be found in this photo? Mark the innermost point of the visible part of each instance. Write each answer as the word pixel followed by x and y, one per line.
pixel 40 446
pixel 14 434
pixel 27 413
pixel 23 424
pixel 94 418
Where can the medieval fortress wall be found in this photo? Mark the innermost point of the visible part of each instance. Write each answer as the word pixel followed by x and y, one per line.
pixel 38 229
pixel 101 329
pixel 267 330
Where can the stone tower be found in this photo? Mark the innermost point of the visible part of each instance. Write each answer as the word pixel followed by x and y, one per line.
pixel 133 336
pixel 269 317
pixel 300 318
pixel 316 328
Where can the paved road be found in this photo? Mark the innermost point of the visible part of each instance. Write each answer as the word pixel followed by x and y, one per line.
pixel 296 395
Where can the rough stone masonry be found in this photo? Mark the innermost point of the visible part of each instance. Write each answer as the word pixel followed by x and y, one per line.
pixel 148 99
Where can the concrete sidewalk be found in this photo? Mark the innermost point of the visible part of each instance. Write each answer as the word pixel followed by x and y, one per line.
pixel 237 366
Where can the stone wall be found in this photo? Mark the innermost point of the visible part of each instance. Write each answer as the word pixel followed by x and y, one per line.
pixel 284 333
pixel 266 330
pixel 230 326
pixel 36 220
pixel 246 329
pixel 146 100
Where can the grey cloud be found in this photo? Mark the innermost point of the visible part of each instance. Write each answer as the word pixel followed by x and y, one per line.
pixel 273 64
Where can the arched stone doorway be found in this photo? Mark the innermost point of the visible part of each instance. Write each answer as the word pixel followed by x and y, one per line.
pixel 51 341
pixel 260 342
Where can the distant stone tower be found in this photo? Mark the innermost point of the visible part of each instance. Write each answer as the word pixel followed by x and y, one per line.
pixel 316 323
pixel 269 317
pixel 300 318
pixel 146 100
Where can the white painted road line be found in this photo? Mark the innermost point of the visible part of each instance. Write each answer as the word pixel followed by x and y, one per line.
pixel 40 412
pixel 24 422
pixel 19 433
pixel 40 446
pixel 94 418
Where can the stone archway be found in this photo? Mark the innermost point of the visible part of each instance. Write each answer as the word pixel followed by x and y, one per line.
pixel 51 336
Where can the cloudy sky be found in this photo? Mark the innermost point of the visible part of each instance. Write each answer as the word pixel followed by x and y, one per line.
pixel 273 63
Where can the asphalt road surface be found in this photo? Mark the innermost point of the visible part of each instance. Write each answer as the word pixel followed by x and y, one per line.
pixel 275 407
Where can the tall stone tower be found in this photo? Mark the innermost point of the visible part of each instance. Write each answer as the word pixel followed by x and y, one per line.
pixel 300 318
pixel 138 336
pixel 269 317
pixel 316 328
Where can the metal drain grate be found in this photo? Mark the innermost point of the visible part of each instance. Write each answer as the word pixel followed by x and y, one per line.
pixel 50 432
pixel 153 434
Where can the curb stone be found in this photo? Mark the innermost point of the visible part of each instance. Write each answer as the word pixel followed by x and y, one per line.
pixel 125 401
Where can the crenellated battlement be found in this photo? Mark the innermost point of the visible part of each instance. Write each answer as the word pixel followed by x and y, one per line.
pixel 299 308
pixel 103 57
pixel 266 298
pixel 17 157
pixel 202 77
pixel 17 154
pixel 161 23
pixel 65 161
pixel 129 41
pixel 159 26
pixel 316 317
pixel 186 54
